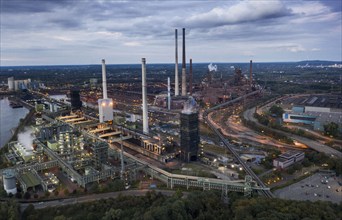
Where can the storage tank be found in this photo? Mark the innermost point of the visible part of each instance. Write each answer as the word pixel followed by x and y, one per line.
pixel 11 83
pixel 9 181
pixel 16 85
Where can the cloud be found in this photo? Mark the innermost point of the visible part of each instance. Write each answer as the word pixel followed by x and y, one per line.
pixel 244 11
pixel 215 30
pixel 132 44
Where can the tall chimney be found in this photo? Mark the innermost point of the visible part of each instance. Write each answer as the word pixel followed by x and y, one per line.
pixel 190 78
pixel 168 93
pixel 122 158
pixel 176 64
pixel 250 72
pixel 104 80
pixel 144 96
pixel 183 67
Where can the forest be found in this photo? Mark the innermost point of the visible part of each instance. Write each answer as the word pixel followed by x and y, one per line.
pixel 193 205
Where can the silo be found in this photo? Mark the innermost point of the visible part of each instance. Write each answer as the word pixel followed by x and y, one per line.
pixel 11 83
pixel 9 181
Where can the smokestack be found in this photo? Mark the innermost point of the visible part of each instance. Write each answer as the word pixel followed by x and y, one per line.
pixel 183 67
pixel 176 64
pixel 250 72
pixel 122 158
pixel 190 76
pixel 104 80
pixel 144 96
pixel 168 93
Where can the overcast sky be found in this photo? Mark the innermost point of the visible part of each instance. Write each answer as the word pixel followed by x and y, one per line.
pixel 48 32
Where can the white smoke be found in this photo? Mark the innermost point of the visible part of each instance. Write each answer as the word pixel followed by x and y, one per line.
pixel 189 106
pixel 26 138
pixel 212 67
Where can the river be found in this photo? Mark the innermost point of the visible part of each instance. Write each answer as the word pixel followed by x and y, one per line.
pixel 9 118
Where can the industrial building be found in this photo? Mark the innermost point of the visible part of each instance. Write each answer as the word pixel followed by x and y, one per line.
pixel 315 110
pixel 100 154
pixel 287 159
pixel 15 85
pixel 189 131
pixel 75 100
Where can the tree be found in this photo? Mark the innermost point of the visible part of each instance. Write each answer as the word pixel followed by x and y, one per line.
pixel 331 129
pixel 56 192
pixel 47 194
pixel 276 110
pixel 113 214
pixel 66 192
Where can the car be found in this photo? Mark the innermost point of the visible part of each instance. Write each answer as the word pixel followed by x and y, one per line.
pixel 329 187
pixel 315 194
pixel 327 196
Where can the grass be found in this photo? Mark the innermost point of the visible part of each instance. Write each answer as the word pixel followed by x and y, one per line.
pixel 214 149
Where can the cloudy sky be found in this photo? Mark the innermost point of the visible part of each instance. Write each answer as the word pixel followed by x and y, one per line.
pixel 48 32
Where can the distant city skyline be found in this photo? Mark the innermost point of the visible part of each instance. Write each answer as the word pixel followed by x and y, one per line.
pixel 37 32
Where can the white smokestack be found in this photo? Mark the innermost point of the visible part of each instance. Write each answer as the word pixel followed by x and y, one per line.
pixel 176 65
pixel 183 67
pixel 144 96
pixel 104 80
pixel 168 93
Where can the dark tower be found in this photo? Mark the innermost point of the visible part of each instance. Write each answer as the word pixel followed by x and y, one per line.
pixel 189 135
pixel 75 99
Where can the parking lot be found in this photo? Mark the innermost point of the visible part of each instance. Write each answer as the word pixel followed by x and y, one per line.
pixel 319 186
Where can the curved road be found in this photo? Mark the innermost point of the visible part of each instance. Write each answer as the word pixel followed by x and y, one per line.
pixel 248 170
pixel 249 115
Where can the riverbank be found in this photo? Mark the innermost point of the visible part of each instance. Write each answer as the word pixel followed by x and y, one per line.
pixel 9 120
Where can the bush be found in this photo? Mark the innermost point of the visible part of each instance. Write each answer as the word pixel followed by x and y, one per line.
pixel 66 192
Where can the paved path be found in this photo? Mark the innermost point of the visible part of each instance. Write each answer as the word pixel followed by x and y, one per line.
pixel 92 197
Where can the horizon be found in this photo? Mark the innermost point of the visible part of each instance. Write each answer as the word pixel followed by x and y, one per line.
pixel 60 33
pixel 179 64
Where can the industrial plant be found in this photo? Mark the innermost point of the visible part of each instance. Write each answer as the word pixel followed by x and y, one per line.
pixel 148 127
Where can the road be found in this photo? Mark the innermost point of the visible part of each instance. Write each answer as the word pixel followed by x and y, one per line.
pixel 249 115
pixel 92 197
pixel 318 135
pixel 245 134
pixel 230 147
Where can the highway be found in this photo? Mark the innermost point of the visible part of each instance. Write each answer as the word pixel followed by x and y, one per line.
pixel 247 169
pixel 249 115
